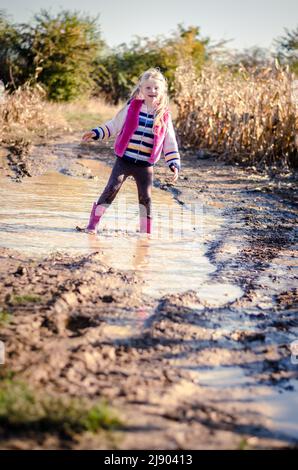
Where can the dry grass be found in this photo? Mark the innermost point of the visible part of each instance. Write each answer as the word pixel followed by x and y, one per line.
pixel 248 116
pixel 84 114
pixel 26 116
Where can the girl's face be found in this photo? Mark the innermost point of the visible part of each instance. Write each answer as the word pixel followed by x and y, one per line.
pixel 152 90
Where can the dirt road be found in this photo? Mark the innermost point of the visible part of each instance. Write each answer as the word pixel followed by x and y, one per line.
pixel 188 339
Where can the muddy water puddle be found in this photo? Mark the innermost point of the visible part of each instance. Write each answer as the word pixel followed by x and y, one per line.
pixel 39 216
pixel 277 406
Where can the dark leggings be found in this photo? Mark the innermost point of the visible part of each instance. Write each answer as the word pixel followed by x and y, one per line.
pixel 143 176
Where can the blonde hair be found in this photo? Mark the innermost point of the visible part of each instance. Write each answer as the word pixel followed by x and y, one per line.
pixel 163 105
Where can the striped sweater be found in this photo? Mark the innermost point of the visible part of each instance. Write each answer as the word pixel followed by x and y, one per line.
pixel 140 145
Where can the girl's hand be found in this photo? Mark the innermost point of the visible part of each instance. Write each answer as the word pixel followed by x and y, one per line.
pixel 88 136
pixel 176 172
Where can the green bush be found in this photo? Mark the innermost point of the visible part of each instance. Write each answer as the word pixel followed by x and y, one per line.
pixel 287 49
pixel 117 72
pixel 57 51
pixel 12 66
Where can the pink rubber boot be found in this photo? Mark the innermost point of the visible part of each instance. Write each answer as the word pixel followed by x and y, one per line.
pixel 96 213
pixel 145 224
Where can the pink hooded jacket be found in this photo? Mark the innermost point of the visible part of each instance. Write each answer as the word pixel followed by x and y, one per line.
pixel 131 124
pixel 126 122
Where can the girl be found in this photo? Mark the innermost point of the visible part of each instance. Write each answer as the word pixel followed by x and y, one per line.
pixel 144 129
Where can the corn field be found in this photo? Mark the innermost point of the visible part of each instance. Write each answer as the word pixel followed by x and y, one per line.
pixel 243 116
pixel 24 114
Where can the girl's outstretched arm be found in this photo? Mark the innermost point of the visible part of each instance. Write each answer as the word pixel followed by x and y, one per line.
pixel 109 128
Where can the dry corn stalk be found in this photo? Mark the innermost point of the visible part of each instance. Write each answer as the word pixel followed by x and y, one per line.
pixel 247 116
pixel 25 112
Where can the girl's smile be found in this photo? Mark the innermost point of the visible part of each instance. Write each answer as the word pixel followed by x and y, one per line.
pixel 151 90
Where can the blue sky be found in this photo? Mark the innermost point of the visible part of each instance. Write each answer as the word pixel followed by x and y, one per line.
pixel 247 22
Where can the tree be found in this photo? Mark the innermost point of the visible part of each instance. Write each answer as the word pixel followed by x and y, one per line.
pixel 11 65
pixel 117 72
pixel 57 51
pixel 287 49
pixel 63 49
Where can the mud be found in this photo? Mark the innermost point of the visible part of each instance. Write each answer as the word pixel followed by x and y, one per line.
pixel 187 365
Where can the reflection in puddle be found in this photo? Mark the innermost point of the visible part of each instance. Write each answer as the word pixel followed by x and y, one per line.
pixel 39 216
